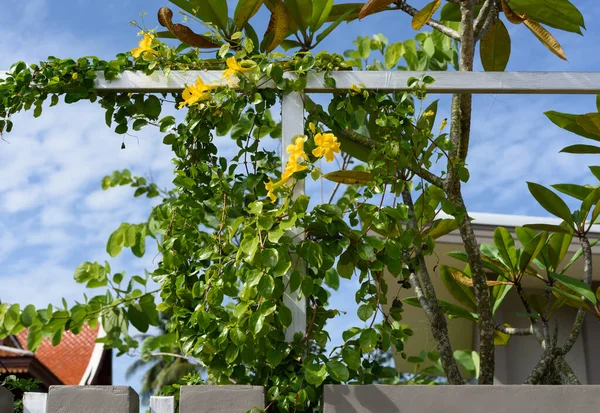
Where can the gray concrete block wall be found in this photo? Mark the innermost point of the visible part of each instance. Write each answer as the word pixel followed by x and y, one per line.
pixel 92 399
pixel 461 399
pixel 221 399
pixel 6 401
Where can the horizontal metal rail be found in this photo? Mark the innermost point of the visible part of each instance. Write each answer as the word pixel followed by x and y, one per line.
pixel 574 83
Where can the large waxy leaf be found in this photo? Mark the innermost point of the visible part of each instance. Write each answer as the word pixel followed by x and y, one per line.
pixel 494 48
pixel 451 12
pixel 577 256
pixel 582 149
pixel 245 10
pixel 393 54
pixel 453 311
pixel 350 177
pixel 441 227
pixel 499 292
pixel 511 15
pixel 532 249
pixel 576 191
pixel 558 246
pixel 560 14
pixel 373 6
pixel 550 202
pixel 577 286
pixel 340 9
pixel 587 125
pixel 425 14
pixel 300 11
pixel 459 291
pixel 278 27
pixel 546 38
pixel 320 12
pixel 183 33
pixel 506 247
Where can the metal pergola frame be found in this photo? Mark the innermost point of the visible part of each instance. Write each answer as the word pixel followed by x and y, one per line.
pixel 292 106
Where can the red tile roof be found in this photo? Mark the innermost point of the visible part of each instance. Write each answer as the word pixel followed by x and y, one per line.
pixel 69 360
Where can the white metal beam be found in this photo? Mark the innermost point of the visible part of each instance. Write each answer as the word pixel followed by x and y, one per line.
pixel 292 124
pixel 445 82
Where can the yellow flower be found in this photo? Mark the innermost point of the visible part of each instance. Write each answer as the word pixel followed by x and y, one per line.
pixel 327 144
pixel 291 168
pixel 270 187
pixel 312 127
pixel 355 89
pixel 296 150
pixel 443 125
pixel 75 76
pixel 196 93
pixel 233 68
pixel 429 113
pixel 145 46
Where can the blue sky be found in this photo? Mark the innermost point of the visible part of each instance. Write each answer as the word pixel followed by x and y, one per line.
pixel 54 214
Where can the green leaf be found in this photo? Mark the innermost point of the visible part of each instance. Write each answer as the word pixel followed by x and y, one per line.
pixel 365 312
pixel 393 54
pixel 550 202
pixel 451 12
pixel 494 48
pixel 578 255
pixel 244 11
pixel 301 12
pixel 578 286
pixel 453 311
pixel 425 14
pixel 576 123
pixel 346 264
pixel 237 336
pixel 35 335
pixel 441 227
pixel 115 242
pixel 368 340
pixel 576 191
pixel 338 371
pixel 320 12
pixel 332 279
pixel 28 316
pixel 152 107
pixel 532 249
pixel 11 318
pixel 506 247
pixel 461 293
pixel 315 374
pixel 548 227
pixel 595 169
pixel 468 360
pixel 582 149
pixel 137 318
pixel 558 246
pixel 266 286
pixel 284 315
pixel 498 294
pixel 560 14
pixel 351 356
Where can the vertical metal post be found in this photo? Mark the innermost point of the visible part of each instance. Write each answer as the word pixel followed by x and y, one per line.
pixel 165 404
pixel 34 402
pixel 292 123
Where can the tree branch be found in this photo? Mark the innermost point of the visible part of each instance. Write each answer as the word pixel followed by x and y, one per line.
pixel 514 331
pixel 460 136
pixel 587 278
pixel 453 34
pixel 486 18
pixel 428 299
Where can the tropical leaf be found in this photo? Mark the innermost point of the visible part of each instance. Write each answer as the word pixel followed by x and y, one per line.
pixel 588 128
pixel 548 227
pixel 300 11
pixel 341 9
pixel 578 286
pixel 532 249
pixel 582 149
pixel 576 191
pixel 546 38
pixel 183 33
pixel 244 11
pixel 424 15
pixel 494 48
pixel 451 12
pixel 506 247
pixel 441 227
pixel 373 6
pixel 350 177
pixel 278 27
pixel 560 14
pixel 320 12
pixel 462 293
pixel 511 15
pixel 550 202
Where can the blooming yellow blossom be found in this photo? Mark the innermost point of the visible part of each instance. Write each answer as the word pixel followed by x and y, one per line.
pixel 233 68
pixel 443 125
pixel 429 113
pixel 270 187
pixel 196 93
pixel 327 144
pixel 145 46
pixel 75 76
pixel 291 168
pixel 296 150
pixel 312 127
